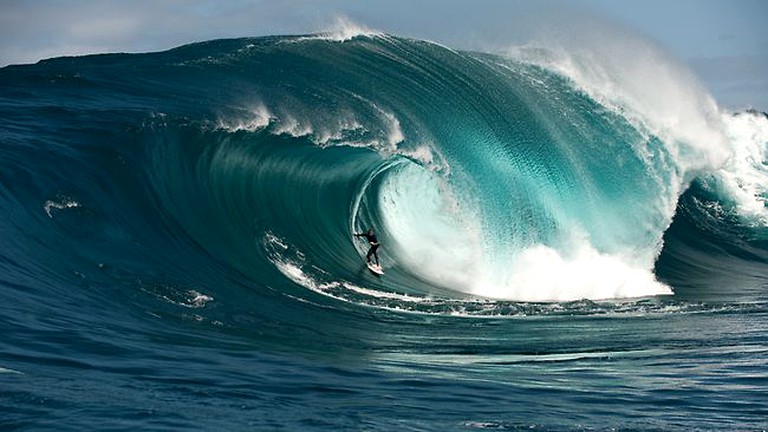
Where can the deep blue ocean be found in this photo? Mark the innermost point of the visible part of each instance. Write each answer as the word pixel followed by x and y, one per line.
pixel 571 240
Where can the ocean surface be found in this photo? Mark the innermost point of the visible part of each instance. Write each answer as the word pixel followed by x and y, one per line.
pixel 572 239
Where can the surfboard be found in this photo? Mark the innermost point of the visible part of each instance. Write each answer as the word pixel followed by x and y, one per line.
pixel 375 268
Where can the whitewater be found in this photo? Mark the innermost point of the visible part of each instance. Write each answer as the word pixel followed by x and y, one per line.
pixel 574 237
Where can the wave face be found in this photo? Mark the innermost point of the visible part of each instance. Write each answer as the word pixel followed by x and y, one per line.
pixel 204 198
pixel 527 177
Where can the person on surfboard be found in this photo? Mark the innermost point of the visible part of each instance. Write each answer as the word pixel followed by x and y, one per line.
pixel 374 242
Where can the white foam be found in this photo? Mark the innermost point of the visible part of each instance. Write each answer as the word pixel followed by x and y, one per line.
pixel 744 178
pixel 254 118
pixel 542 273
pixel 196 299
pixel 289 125
pixel 333 132
pixel 341 29
pixel 394 132
pixel 270 239
pixel 385 294
pixel 59 204
pixel 297 275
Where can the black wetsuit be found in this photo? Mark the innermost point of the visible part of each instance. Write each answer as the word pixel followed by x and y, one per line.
pixel 374 242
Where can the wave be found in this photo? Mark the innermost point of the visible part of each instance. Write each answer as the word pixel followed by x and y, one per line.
pixel 492 176
pixel 177 230
pixel 540 175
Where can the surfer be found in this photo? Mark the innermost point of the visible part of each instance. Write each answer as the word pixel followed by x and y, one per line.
pixel 374 242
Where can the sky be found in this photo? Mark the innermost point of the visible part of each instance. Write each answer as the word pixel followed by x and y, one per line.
pixel 725 42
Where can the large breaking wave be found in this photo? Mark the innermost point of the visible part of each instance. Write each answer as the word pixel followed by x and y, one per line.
pixel 535 175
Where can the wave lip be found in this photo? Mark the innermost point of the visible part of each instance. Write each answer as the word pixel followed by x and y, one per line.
pixel 344 29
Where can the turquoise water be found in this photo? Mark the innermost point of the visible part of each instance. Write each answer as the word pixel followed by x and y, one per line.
pixel 560 252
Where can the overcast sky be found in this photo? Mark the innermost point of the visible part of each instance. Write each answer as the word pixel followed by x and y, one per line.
pixel 724 41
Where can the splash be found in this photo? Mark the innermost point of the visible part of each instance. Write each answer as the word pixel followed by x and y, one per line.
pixel 742 183
pixel 343 29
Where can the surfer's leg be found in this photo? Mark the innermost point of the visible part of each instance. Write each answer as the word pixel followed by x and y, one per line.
pixel 375 254
pixel 368 256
